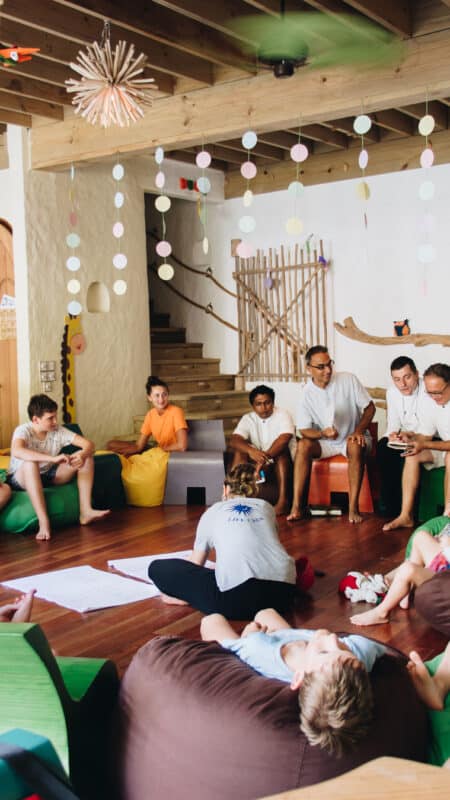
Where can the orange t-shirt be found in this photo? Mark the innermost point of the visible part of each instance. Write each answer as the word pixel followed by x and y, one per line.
pixel 163 427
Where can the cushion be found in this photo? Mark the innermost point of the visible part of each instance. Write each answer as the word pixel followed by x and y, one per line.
pixel 62 506
pixel 144 477
pixel 432 601
pixel 194 721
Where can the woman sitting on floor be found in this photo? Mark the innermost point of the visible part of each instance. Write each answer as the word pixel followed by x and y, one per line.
pixel 253 570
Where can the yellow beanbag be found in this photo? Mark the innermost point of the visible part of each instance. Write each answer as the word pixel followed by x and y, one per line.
pixel 144 477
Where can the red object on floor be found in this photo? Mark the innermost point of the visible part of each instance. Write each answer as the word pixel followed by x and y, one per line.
pixel 305 573
pixel 331 475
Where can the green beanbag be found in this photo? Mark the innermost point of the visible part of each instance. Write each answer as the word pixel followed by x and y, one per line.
pixel 19 516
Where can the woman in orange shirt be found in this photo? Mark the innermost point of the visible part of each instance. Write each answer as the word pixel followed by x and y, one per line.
pixel 144 476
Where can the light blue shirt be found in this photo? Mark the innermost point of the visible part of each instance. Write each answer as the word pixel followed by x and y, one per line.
pixel 262 651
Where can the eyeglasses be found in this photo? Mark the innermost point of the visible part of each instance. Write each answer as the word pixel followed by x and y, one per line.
pixel 321 367
pixel 437 394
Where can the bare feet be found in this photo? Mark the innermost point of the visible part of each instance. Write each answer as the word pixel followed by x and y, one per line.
pixel 93 515
pixel 253 627
pixel 296 514
pixel 173 601
pixel 354 516
pixel 399 522
pixel 281 508
pixel 425 686
pixel 43 535
pixel 372 617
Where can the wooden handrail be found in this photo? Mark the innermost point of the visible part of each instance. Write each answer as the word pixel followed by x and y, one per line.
pixel 207 273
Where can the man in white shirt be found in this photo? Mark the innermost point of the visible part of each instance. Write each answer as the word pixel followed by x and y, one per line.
pixel 333 415
pixel 423 449
pixel 263 436
pixel 408 409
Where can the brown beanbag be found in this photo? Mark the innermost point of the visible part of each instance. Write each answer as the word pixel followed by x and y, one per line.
pixel 432 601
pixel 194 721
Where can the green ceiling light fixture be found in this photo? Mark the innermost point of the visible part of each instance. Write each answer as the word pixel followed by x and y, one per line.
pixel 318 40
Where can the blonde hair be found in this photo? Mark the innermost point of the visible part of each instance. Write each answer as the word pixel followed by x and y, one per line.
pixel 241 480
pixel 336 705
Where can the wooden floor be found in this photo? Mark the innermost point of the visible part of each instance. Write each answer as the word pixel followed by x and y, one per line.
pixel 333 545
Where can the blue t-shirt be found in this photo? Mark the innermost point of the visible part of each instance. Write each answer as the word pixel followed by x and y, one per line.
pixel 262 651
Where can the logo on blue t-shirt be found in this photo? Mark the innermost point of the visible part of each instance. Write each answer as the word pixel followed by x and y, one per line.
pixel 241 512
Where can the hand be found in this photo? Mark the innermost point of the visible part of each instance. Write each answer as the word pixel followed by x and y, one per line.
pixel 19 610
pixel 416 443
pixel 358 438
pixel 77 459
pixel 395 437
pixel 329 433
pixel 62 458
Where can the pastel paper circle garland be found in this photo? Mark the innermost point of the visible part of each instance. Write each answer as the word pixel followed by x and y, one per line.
pixel 298 153
pixel 247 222
pixel 162 204
pixel 426 252
pixel 203 160
pixel 119 258
pixel 362 125
pixel 73 242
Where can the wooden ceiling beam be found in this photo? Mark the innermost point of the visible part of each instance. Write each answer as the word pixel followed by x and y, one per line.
pixel 28 105
pixel 57 49
pixel 189 158
pixel 268 6
pixel 395 16
pixel 15 118
pixel 395 121
pixel 83 27
pixel 390 156
pixel 217 14
pixel 213 114
pixel 281 139
pixel 164 27
pixel 19 84
pixel 320 133
pixel 260 149
pixel 346 126
pixel 437 109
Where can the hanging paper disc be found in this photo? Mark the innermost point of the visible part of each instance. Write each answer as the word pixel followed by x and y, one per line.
pixel 74 308
pixel 248 198
pixel 205 245
pixel 120 261
pixel 299 152
pixel 166 272
pixel 363 159
pixel 163 249
pixel 363 190
pixel 159 155
pixel 204 185
pixel 294 226
pixel 162 203
pixel 118 172
pixel 244 250
pixel 426 158
pixel 248 170
pixel 426 253
pixel 73 263
pixel 118 230
pixel 160 180
pixel 203 159
pixel 249 140
pixel 426 125
pixel 296 188
pixel 362 124
pixel 73 286
pixel 72 240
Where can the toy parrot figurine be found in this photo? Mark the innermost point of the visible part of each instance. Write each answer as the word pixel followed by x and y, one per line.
pixel 10 56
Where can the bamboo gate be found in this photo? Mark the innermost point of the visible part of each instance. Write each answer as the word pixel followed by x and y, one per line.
pixel 281 297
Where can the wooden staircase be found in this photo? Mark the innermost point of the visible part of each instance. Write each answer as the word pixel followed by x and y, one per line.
pixel 196 383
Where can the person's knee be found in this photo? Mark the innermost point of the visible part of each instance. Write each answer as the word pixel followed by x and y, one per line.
pixel 407 570
pixel 305 449
pixel 208 623
pixel 263 615
pixel 356 451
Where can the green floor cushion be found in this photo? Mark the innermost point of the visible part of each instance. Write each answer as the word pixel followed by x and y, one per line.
pixel 62 506
pixel 431 496
pixel 440 724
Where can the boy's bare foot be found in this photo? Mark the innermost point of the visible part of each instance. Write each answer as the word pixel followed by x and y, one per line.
pixel 93 515
pixel 354 516
pixel 399 522
pixel 372 617
pixel 296 514
pixel 424 684
pixel 281 508
pixel 43 535
pixel 253 627
pixel 173 601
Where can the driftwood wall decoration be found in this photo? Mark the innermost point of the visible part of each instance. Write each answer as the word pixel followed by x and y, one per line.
pixel 351 331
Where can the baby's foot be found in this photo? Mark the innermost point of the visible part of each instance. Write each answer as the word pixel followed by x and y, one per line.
pixel 372 617
pixel 424 684
pixel 93 515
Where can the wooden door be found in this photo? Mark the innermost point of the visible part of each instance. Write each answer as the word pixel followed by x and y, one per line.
pixel 8 344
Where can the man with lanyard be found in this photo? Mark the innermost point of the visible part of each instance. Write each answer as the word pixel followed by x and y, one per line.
pixel 333 415
pixel 408 409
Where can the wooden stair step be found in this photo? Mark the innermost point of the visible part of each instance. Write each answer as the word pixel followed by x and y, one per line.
pixel 176 350
pixel 160 335
pixel 186 366
pixel 231 402
pixel 158 320
pixel 211 383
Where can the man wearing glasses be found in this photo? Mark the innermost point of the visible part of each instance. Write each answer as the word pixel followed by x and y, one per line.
pixel 408 409
pixel 333 415
pixel 423 449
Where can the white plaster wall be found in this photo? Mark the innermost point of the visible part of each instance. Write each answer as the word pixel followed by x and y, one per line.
pixel 110 375
pixel 375 275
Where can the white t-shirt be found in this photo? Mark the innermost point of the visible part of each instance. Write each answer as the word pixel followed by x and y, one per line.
pixel 439 421
pixel 243 531
pixel 341 404
pixel 52 444
pixel 262 432
pixel 412 412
